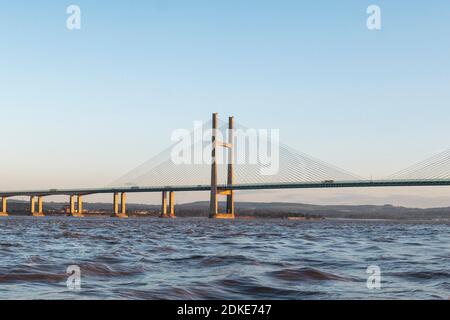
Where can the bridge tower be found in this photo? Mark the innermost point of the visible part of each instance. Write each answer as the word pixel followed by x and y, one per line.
pixel 224 191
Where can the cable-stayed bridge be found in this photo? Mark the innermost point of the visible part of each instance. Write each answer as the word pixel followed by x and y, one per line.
pixel 224 158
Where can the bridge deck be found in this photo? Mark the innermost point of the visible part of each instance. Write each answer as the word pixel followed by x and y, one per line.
pixel 309 185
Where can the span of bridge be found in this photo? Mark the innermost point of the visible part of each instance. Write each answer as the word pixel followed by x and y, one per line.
pixel 311 185
pixel 298 172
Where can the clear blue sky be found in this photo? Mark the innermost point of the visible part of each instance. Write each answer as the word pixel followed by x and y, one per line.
pixel 80 108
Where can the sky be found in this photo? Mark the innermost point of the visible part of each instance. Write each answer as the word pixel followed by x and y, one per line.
pixel 80 108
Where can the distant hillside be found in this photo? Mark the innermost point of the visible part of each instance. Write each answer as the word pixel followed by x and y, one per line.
pixel 284 210
pixel 260 210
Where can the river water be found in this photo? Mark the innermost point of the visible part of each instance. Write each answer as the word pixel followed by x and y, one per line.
pixel 189 258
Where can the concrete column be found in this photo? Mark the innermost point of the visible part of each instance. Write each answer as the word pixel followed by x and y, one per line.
pixel 40 205
pixel 4 211
pixel 32 205
pixel 230 180
pixel 4 205
pixel 116 203
pixel 72 205
pixel 79 206
pixel 213 204
pixel 123 203
pixel 164 204
pixel 172 204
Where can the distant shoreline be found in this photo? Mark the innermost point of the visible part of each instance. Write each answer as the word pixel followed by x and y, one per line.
pixel 255 210
pixel 240 218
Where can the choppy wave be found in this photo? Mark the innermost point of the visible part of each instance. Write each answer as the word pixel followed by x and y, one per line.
pixel 307 274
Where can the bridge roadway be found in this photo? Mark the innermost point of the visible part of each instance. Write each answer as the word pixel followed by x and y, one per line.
pixel 305 185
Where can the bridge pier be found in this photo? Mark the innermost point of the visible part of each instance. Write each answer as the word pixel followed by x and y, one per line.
pixel 32 205
pixel 171 204
pixel 80 206
pixel 228 192
pixel 78 211
pixel 164 205
pixel 123 205
pixel 171 212
pixel 72 205
pixel 4 211
pixel 40 212
pixel 115 204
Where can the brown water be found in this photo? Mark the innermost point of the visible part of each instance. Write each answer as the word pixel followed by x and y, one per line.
pixel 208 259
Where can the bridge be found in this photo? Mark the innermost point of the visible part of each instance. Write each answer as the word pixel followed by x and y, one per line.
pixel 297 171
